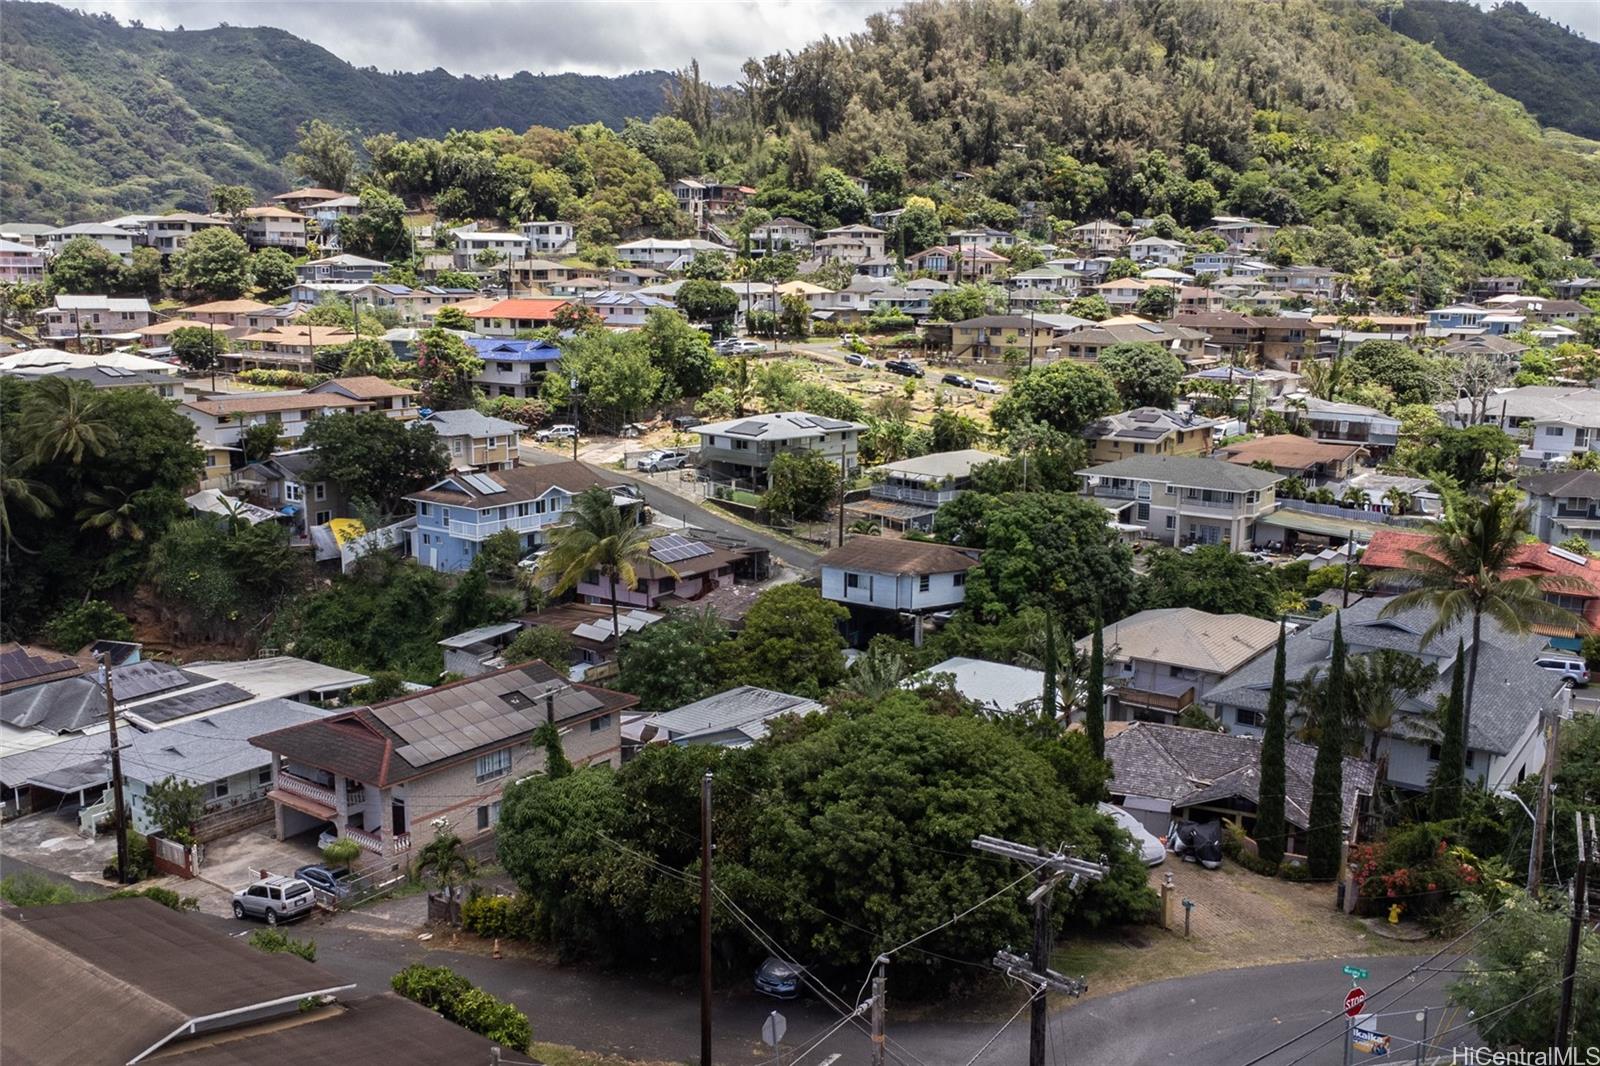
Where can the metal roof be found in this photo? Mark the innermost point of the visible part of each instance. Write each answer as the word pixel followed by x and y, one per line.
pixel 740 710
pixel 1187 472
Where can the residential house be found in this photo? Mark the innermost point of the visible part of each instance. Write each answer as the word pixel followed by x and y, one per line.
pixel 986 237
pixel 1101 237
pixel 1569 431
pixel 953 264
pixel 625 278
pixel 114 239
pixel 897 576
pixel 284 483
pixel 294 347
pixel 34 234
pixel 588 628
pixel 1310 283
pixel 1180 499
pixel 52 361
pixel 907 494
pixel 1216 264
pixel 221 421
pixel 169 234
pixel 71 317
pixel 456 515
pixel 736 718
pixel 1123 293
pixel 341 268
pixel 476 441
pixel 679 569
pixel 584 286
pixel 1229 335
pixel 667 254
pixel 275 227
pixel 389 775
pixel 229 316
pixel 550 238
pixel 1193 299
pixel 1497 349
pixel 412 305
pixel 20 263
pixel 1455 319
pixel 1160 661
pixel 1086 343
pixel 1344 423
pixel 1148 431
pixel 304 199
pixel 1057 281
pixel 1340 328
pixel 1539 310
pixel 1314 462
pixel 854 244
pixel 624 310
pixel 393 399
pixel 1248 385
pixel 1575 288
pixel 1165 773
pixel 497 249
pixel 989 337
pixel 328 213
pixel 782 234
pixel 1421 498
pixel 1487 288
pixel 741 449
pixel 1157 250
pixel 997 688
pixel 705 197
pixel 1241 234
pixel 1504 740
pixel 512 367
pixel 1565 504
pixel 506 318
pixel 168 386
pixel 538 277
pixel 274 316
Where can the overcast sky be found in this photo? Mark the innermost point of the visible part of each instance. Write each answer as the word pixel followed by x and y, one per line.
pixel 550 36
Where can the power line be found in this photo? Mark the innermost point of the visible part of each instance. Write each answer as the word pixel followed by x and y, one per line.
pixel 1025 1005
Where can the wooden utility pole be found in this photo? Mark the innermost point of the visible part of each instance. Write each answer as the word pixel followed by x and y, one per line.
pixel 1552 743
pixel 843 461
pixel 1587 845
pixel 116 769
pixel 880 985
pixel 705 920
pixel 1050 869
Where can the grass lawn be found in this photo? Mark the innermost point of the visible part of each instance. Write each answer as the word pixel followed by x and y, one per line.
pixel 566 1055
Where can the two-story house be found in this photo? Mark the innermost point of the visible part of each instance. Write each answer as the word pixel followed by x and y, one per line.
pixel 275 227
pixel 169 234
pixel 624 310
pixel 228 316
pixel 390 397
pixel 741 449
pixel 292 347
pixel 1314 462
pixel 1560 436
pixel 1565 504
pixel 512 367
pixel 1123 293
pixel 666 254
pixel 1102 237
pixel 550 238
pixel 476 441
pixel 1160 661
pixel 220 422
pixel 93 316
pixel 679 569
pixel 782 234
pixel 989 337
pixel 954 264
pixel 507 318
pixel 1313 283
pixel 340 268
pixel 1086 343
pixel 1148 431
pixel 881 574
pixel 391 775
pixel 20 263
pixel 285 483
pixel 502 249
pixel 1158 251
pixel 1179 499
pixel 853 244
pixel 456 515
pixel 907 494
pixel 114 239
pixel 1344 423
pixel 1241 234
pixel 304 199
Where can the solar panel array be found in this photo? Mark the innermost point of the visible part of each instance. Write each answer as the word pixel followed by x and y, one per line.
pixel 747 429
pixel 675 549
pixel 485 484
pixel 446 722
pixel 183 704
pixel 137 680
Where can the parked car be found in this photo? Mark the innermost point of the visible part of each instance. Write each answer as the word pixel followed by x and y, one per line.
pixel 860 360
pixel 1145 844
pixel 905 368
pixel 335 880
pixel 683 422
pixel 634 430
pixel 778 979
pixel 740 347
pixel 559 431
pixel 1571 667
pixel 658 460
pixel 275 899
pixel 985 385
pixel 958 380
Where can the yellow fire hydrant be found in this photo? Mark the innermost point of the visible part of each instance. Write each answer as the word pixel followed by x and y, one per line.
pixel 1394 913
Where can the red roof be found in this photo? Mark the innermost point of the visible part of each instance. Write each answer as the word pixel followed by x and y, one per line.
pixel 1388 552
pixel 532 309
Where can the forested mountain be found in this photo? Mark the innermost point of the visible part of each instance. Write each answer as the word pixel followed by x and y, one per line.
pixel 101 118
pixel 1554 72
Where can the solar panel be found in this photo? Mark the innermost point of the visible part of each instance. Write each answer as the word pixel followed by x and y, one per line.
pixel 183 704
pixel 674 549
pixel 484 483
pixel 1151 327
pixel 593 631
pixel 748 429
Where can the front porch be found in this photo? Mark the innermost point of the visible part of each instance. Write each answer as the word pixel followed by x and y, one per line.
pixel 306 799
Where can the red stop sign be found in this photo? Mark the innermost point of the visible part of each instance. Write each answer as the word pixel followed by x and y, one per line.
pixel 1353 1000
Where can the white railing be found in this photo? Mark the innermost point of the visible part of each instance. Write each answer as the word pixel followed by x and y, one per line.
pixel 482 530
pixel 396 844
pixel 309 789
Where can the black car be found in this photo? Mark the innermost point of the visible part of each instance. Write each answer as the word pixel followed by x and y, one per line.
pixel 334 880
pixel 683 422
pixel 904 368
pixel 957 380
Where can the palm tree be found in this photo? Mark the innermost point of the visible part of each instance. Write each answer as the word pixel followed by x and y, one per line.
pixel 1398 499
pixel 111 510
pixel 446 858
pixel 866 527
pixel 1459 575
pixel 1352 497
pixel 875 675
pixel 19 490
pixel 597 537
pixel 66 419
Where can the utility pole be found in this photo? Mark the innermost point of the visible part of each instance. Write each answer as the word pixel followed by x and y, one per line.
pixel 1587 847
pixel 116 769
pixel 842 462
pixel 1349 564
pixel 1552 744
pixel 1050 869
pixel 880 984
pixel 705 920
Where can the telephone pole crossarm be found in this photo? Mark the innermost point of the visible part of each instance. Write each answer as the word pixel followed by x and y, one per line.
pixel 1021 967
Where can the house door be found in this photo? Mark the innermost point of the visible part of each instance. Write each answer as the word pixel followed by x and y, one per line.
pixel 433 558
pixel 398 816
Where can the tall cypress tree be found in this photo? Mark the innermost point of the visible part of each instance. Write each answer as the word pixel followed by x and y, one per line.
pixel 1444 791
pixel 1094 716
pixel 1269 802
pixel 1326 833
pixel 1047 705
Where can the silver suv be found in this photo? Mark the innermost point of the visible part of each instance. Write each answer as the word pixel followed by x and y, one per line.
pixel 277 899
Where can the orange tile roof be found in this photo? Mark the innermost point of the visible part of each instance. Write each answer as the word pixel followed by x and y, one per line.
pixel 368 387
pixel 227 307
pixel 1388 548
pixel 532 309
pixel 161 329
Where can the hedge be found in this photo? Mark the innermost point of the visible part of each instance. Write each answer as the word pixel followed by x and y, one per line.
pixel 456 999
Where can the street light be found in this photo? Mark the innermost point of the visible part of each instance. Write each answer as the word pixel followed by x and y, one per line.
pixel 1533 847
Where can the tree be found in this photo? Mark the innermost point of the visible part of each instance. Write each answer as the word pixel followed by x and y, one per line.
pixel 1094 700
pixel 681 352
pixel 1146 375
pixel 1094 308
pixel 1466 454
pixel 142 275
pixel 616 377
pixel 451 317
pixel 272 269
pixel 1325 835
pixel 175 806
pixel 66 419
pixel 231 200
pixel 323 156
pixel 1270 825
pixel 709 302
pixel 1458 573
pixel 916 229
pixel 951 432
pixel 1122 267
pixel 707 266
pixel 1512 985
pixel 373 457
pixel 379 231
pixel 790 642
pixel 448 366
pixel 445 857
pixel 366 356
pixel 1211 578
pixel 213 583
pixel 1157 302
pixel 548 644
pixel 963 302
pixel 674 661
pixel 1047 702
pixel 800 486
pixel 1064 396
pixel 1399 368
pixel 82 624
pixel 84 267
pixel 597 537
pixel 795 317
pixel 215 262
pixel 1449 777
pixel 198 348
pixel 260 440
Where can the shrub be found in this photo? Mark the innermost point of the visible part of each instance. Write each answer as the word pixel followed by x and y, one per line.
pixel 82 624
pixel 452 996
pixel 32 890
pixel 281 379
pixel 496 917
pixel 528 412
pixel 1294 871
pixel 341 852
pixel 1418 866
pixel 164 896
pixel 1235 847
pixel 141 861
pixel 274 942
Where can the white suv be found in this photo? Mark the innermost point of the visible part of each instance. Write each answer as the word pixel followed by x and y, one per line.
pixel 276 899
pixel 559 431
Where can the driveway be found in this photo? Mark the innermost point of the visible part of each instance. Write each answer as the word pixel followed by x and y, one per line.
pixel 52 842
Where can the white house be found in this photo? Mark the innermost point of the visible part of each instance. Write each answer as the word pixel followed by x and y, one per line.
pixel 551 238
pixel 665 254
pixel 503 249
pixel 1157 250
pixel 72 316
pixel 915 577
pixel 119 242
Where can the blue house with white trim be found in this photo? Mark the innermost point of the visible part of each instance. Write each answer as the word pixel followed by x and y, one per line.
pixel 512 367
pixel 456 515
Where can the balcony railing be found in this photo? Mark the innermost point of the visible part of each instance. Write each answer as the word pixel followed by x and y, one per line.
pixel 309 789
pixel 482 530
pixel 910 495
pixel 1160 701
pixel 377 842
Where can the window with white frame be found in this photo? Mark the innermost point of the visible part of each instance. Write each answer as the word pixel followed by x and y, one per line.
pixel 495 764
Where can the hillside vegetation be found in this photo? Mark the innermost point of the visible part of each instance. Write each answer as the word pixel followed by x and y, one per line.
pixel 1554 72
pixel 102 118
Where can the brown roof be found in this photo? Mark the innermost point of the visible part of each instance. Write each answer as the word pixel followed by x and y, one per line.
pixel 365 387
pixel 307 193
pixel 273 212
pixel 383 1030
pixel 171 325
pixel 521 482
pixel 301 335
pixel 1215 319
pixel 886 555
pixel 22 665
pixel 1287 451
pixel 254 405
pixel 227 307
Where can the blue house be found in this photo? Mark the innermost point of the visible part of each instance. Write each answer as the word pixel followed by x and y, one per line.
pixel 455 516
pixel 512 367
pixel 1456 317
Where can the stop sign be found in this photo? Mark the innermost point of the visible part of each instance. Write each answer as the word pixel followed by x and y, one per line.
pixel 1353 1000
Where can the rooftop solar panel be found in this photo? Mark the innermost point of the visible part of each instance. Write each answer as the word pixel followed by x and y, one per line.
pixel 673 548
pixel 748 429
pixel 184 704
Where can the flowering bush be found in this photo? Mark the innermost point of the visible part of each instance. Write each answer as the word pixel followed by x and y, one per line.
pixel 1419 868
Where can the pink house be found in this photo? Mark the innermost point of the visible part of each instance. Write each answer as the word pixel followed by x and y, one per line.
pixel 696 569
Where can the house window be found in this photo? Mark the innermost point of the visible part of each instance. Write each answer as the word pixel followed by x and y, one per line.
pixel 598 725
pixel 959 580
pixel 427 509
pixel 293 492
pixel 219 789
pixel 1245 716
pixel 320 493
pixel 323 518
pixel 1138 449
pixel 852 581
pixel 495 764
pixel 264 776
pixel 924 582
pixel 1142 512
pixel 1172 521
pixel 488 815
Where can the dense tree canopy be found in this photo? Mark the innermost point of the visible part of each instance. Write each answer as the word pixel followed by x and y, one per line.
pixel 374 457
pixel 1063 395
pixel 1145 375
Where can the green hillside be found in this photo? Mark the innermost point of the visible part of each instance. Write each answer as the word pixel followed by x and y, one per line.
pixel 102 118
pixel 1554 72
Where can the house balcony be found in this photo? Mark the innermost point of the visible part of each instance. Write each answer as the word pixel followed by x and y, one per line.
pixel 378 843
pixel 903 494
pixel 530 523
pixel 1155 701
pixel 306 789
pixel 1187 505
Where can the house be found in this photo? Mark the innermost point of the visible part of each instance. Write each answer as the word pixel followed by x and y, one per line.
pixel 743 448
pixel 1502 350
pixel 1344 423
pixel 291 347
pixel 1513 409
pixel 901 576
pixel 1246 385
pixel 1487 287
pixel 550 238
pixel 227 315
pixel 512 367
pixel 275 227
pixel 989 337
pixel 624 310
pixel 1160 661
pixel 392 398
pixel 956 265
pixel 667 254
pixel 1216 263
pixel 1123 293
pixel 1101 237
pixel 164 384
pixel 782 234
pixel 1085 344
pixel 1504 741
pixel 736 718
pixel 93 316
pixel 456 515
pixel 1163 773
pixel 625 278
pixel 114 239
pixel 284 483
pixel 39 361
pixel 341 268
pixel 907 494
pixel 221 420
pixel 1053 280
pixel 1575 288
pixel 495 249
pixel 1565 504
pixel 20 263
pixel 169 234
pixel 1180 499
pixel 1309 283
pixel 706 196
pixel 986 237
pixel 387 775
pixel 1456 318
pixel 1420 495
pixel 476 441
pixel 1148 431
pixel 1195 299
pixel 1566 432
pixel 23 665
pixel 588 628
pixel 1157 250
pixel 304 199
pixel 506 318
pixel 853 244
pixel 328 213
pixel 537 277
pixel 1311 461
pixel 997 688
pixel 1241 234
pixel 679 568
